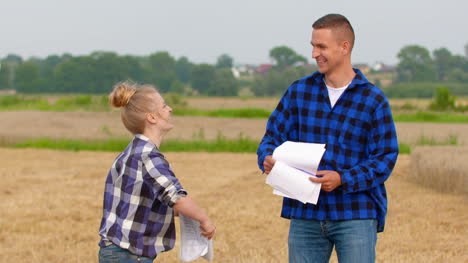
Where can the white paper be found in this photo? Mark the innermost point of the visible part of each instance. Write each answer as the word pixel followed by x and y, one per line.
pixel 193 245
pixel 295 163
pixel 301 155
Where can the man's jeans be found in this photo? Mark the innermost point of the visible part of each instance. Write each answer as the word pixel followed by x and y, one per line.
pixel 312 240
pixel 117 254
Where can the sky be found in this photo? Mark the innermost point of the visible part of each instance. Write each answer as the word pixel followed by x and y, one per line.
pixel 246 30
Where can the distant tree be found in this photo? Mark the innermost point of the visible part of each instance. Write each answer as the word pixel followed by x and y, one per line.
pixel 7 71
pixel 13 58
pixel 75 75
pixel 162 61
pixel 224 83
pixel 224 61
pixel 178 87
pixel 442 60
pixel 285 56
pixel 27 78
pixel 275 82
pixel 183 69
pixel 457 75
pixel 107 68
pixel 466 50
pixel 415 64
pixel 202 76
pixel 162 70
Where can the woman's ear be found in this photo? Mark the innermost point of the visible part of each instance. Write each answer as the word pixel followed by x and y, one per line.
pixel 151 117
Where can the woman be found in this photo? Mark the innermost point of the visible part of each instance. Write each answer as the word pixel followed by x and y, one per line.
pixel 141 191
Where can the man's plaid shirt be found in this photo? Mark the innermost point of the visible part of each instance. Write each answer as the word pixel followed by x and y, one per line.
pixel 361 145
pixel 139 194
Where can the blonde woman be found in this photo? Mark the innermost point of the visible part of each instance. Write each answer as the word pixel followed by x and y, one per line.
pixel 141 190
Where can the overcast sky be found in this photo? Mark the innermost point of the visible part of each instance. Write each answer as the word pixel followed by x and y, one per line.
pixel 245 29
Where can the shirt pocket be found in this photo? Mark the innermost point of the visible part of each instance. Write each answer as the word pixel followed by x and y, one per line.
pixel 354 134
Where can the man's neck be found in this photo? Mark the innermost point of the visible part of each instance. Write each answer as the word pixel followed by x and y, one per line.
pixel 340 78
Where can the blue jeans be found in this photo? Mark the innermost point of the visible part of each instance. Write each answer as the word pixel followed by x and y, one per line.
pixel 117 254
pixel 312 240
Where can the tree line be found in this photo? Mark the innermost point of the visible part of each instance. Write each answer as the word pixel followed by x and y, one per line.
pixel 417 65
pixel 97 72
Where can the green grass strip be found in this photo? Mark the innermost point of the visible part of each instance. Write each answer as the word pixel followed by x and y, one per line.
pixel 249 113
pixel 219 145
pixel 431 117
pixel 240 145
pixel 404 148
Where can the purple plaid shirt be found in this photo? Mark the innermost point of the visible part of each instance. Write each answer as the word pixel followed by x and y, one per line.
pixel 139 194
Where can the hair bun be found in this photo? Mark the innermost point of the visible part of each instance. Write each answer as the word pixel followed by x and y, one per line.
pixel 121 94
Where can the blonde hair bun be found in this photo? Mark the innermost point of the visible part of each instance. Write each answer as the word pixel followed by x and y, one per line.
pixel 121 94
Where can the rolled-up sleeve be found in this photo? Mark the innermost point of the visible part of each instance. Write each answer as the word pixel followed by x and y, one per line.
pixel 167 187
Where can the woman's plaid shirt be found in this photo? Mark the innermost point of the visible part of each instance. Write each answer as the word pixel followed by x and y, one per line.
pixel 139 194
pixel 361 145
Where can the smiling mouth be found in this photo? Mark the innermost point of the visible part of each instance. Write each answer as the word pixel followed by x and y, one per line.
pixel 321 61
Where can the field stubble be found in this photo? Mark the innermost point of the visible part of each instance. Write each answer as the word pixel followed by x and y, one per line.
pixel 21 125
pixel 443 168
pixel 53 203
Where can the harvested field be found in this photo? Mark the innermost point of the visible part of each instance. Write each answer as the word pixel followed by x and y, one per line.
pixel 51 203
pixel 231 103
pixel 443 168
pixel 20 125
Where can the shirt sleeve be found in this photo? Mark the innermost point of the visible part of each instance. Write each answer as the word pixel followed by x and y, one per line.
pixel 166 186
pixel 383 152
pixel 278 125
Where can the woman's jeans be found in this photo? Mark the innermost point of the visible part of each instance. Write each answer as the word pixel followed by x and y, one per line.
pixel 117 254
pixel 312 240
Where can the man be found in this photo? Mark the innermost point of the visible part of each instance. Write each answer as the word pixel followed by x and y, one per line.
pixel 339 107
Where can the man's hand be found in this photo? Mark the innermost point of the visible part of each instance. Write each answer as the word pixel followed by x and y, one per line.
pixel 329 180
pixel 268 164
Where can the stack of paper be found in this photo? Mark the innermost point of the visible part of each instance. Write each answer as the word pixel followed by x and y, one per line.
pixel 295 163
pixel 193 245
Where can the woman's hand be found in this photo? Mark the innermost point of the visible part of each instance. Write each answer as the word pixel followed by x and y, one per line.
pixel 207 228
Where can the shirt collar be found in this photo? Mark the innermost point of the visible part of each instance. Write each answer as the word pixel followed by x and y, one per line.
pixel 359 78
pixel 142 137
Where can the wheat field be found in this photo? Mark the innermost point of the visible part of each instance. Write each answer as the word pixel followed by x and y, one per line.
pixel 443 168
pixel 17 126
pixel 51 209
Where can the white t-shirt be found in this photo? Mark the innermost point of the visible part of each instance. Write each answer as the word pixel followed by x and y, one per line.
pixel 335 93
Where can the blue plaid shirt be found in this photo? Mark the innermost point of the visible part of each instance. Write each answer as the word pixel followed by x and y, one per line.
pixel 361 145
pixel 139 194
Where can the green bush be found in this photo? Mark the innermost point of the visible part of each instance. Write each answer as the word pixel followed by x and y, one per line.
pixel 10 100
pixel 443 100
pixel 83 100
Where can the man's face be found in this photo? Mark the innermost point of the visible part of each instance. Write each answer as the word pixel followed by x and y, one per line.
pixel 327 50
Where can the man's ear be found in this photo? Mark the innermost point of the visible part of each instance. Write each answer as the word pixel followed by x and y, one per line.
pixel 151 117
pixel 345 47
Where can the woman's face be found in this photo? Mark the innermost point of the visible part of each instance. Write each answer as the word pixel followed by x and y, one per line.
pixel 163 113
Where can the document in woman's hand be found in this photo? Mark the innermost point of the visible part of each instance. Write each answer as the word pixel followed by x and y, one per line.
pixel 193 245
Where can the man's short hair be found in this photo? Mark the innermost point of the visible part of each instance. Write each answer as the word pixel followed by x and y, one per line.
pixel 337 23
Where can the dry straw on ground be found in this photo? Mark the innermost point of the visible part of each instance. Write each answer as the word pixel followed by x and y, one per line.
pixel 51 209
pixel 18 126
pixel 443 168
